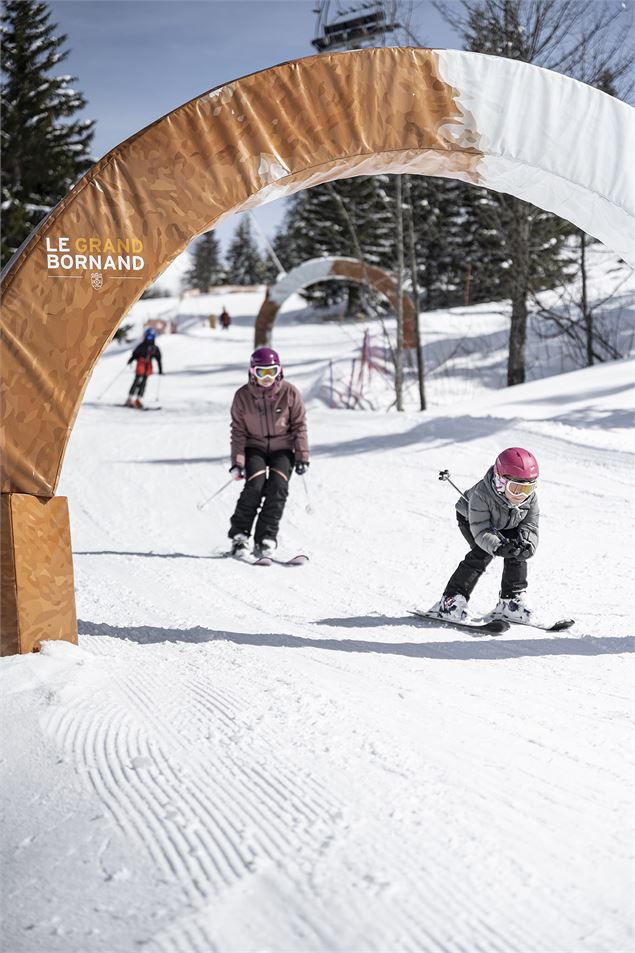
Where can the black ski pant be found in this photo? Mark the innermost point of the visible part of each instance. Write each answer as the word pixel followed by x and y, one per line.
pixel 266 488
pixel 138 385
pixel 474 564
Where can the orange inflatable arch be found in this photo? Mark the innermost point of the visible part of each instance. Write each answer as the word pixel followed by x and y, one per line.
pixel 485 120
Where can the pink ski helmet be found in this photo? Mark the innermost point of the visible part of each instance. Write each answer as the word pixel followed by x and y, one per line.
pixel 262 361
pixel 517 464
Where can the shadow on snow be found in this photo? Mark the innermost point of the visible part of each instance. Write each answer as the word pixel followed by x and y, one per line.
pixel 471 650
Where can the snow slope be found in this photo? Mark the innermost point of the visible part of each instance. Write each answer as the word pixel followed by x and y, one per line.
pixel 238 759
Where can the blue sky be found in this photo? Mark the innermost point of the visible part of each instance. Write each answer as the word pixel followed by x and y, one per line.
pixel 136 60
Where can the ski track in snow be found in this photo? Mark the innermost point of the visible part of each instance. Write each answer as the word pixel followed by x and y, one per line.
pixel 281 759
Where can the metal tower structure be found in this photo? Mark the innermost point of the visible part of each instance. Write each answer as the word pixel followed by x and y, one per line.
pixel 346 28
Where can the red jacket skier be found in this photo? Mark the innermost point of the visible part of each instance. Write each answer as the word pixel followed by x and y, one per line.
pixel 143 354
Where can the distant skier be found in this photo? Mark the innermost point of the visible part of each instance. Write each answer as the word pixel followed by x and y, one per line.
pixel 224 319
pixel 143 354
pixel 268 441
pixel 498 516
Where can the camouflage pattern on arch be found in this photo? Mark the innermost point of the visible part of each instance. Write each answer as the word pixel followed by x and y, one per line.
pixel 486 120
pixel 330 269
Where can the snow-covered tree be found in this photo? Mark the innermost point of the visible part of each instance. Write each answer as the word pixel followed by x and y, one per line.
pixel 45 150
pixel 244 263
pixel 206 270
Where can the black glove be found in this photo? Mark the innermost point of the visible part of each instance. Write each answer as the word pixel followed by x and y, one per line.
pixel 523 543
pixel 509 549
pixel 237 473
pixel 301 467
pixel 527 549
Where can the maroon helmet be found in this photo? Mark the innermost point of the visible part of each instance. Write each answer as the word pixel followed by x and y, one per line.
pixel 264 357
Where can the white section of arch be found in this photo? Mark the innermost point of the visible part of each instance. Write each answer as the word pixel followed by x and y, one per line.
pixel 550 140
pixel 308 273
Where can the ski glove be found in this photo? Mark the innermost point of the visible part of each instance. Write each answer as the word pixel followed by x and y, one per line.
pixel 509 549
pixel 301 467
pixel 237 473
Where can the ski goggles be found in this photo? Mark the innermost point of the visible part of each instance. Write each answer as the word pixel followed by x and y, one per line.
pixel 268 373
pixel 520 489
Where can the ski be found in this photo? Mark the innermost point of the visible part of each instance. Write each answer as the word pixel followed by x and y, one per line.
pixel 253 560
pixel 299 560
pixel 247 558
pixel 128 407
pixel 560 626
pixel 494 625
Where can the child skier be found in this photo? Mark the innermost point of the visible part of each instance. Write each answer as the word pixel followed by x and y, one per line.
pixel 498 516
pixel 143 354
pixel 268 441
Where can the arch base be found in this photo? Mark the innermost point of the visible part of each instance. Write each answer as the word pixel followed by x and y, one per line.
pixel 37 591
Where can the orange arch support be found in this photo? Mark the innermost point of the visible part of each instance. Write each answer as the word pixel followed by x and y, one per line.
pixel 329 269
pixel 485 120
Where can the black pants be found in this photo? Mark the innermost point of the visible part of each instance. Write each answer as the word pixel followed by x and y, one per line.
pixel 269 488
pixel 138 385
pixel 474 564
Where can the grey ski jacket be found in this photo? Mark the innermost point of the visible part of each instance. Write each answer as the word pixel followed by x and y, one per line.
pixel 268 419
pixel 486 511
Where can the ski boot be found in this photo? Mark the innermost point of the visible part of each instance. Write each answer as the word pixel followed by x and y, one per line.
pixel 138 404
pixel 452 608
pixel 513 609
pixel 240 546
pixel 265 548
pixel 129 402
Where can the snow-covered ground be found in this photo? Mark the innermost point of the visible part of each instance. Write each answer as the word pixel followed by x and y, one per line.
pixel 241 759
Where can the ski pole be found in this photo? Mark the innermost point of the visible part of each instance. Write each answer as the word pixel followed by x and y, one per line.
pixel 117 375
pixel 201 506
pixel 445 475
pixel 308 508
pixel 156 399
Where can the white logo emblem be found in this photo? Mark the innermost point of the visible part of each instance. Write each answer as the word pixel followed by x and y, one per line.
pixel 96 279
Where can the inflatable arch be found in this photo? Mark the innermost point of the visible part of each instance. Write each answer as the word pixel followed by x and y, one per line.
pixel 329 269
pixel 494 122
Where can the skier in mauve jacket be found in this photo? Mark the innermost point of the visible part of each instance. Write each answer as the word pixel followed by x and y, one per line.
pixel 268 442
pixel 143 354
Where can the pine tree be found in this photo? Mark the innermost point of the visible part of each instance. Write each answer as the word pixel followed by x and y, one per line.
pixel 244 263
pixel 45 150
pixel 352 218
pixel 206 270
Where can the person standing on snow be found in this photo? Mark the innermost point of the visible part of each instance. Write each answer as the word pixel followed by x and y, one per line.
pixel 498 516
pixel 268 441
pixel 143 354
pixel 224 319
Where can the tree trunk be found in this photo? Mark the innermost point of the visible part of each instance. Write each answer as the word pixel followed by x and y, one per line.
pixel 586 311
pixel 518 239
pixel 399 348
pixel 415 292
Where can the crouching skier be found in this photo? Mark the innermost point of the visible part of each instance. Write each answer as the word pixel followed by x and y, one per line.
pixel 143 354
pixel 268 441
pixel 498 516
